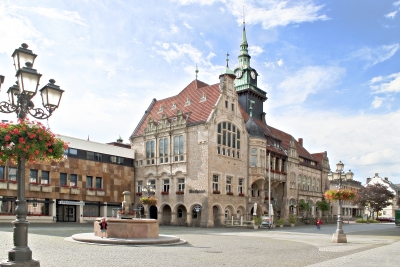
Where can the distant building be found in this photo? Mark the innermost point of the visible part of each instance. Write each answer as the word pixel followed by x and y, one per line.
pixel 387 212
pixel 88 183
pixel 348 208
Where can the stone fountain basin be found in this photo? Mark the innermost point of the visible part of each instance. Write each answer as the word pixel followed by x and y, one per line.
pixel 129 228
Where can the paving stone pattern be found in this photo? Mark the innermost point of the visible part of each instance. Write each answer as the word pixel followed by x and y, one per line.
pixel 298 246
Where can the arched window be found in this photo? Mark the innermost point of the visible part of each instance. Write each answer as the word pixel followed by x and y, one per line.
pixel 228 139
pixel 317 185
pixel 309 184
pixel 313 185
pixel 304 183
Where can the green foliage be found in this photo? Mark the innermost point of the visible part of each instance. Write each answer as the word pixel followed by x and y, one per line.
pixel 281 221
pixel 30 141
pixel 365 221
pixel 292 218
pixel 304 206
pixel 323 205
pixel 257 220
pixel 375 197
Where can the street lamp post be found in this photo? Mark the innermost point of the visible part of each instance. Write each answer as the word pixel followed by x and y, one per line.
pixel 339 236
pixel 20 96
pixel 148 189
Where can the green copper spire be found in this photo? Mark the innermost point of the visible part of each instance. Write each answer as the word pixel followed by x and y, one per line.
pixel 197 71
pixel 227 69
pixel 244 58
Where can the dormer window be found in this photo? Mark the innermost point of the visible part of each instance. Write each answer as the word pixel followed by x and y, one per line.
pixel 161 109
pixel 173 106
pixel 187 102
pixel 203 98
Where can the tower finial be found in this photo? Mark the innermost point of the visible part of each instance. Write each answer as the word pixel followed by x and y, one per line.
pixel 243 16
pixel 227 59
pixel 197 71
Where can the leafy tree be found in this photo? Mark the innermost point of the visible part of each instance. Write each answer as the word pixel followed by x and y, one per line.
pixel 323 206
pixel 375 197
pixel 304 206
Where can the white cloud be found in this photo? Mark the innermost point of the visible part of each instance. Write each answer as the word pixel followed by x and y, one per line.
pixel 201 2
pixel 270 65
pixel 390 83
pixel 308 80
pixel 187 25
pixel 278 13
pixel 377 102
pixel 396 3
pixel 255 50
pixel 391 15
pixel 364 143
pixel 174 28
pixel 176 51
pixel 210 56
pixel 55 13
pixel 111 71
pixel 280 62
pixel 377 55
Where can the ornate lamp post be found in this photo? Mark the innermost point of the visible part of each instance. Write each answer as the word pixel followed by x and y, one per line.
pixel 148 189
pixel 20 96
pixel 339 236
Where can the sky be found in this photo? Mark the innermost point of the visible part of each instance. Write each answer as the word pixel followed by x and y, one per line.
pixel 330 68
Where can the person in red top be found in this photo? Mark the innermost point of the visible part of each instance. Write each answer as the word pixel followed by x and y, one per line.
pixel 103 227
pixel 319 222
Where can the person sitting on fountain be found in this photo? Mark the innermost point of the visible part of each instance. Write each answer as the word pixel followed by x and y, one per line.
pixel 103 227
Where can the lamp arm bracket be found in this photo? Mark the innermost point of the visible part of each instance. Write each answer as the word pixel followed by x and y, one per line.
pixel 6 107
pixel 39 113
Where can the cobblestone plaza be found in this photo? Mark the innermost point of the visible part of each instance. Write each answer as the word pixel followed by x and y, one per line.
pixel 368 245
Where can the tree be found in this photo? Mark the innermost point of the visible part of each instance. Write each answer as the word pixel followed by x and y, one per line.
pixel 375 197
pixel 304 206
pixel 323 206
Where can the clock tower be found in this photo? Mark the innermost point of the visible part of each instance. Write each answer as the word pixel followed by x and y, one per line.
pixel 251 98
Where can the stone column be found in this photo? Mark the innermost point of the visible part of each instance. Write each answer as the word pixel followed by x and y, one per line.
pixel 160 217
pixel 53 208
pixel 173 218
pixel 103 210
pixel 189 219
pixel 127 201
pixel 79 213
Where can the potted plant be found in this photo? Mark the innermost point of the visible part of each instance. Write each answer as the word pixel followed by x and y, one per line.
pixel 292 219
pixel 281 221
pixel 164 193
pixel 180 192
pixel 139 193
pixel 229 193
pixel 241 195
pixel 257 222
pixel 216 192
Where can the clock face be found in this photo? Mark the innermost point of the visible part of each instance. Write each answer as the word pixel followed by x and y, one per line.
pixel 239 74
pixel 253 74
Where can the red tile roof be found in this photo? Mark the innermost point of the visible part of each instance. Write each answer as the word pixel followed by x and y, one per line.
pixel 197 111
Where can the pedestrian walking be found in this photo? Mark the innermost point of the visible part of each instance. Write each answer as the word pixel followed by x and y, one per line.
pixel 103 227
pixel 318 223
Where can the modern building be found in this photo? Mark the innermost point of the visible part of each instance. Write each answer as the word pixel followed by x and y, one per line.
pixel 349 209
pixel 205 150
pixel 389 211
pixel 88 183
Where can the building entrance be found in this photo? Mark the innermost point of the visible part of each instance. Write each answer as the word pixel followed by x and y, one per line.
pixel 66 213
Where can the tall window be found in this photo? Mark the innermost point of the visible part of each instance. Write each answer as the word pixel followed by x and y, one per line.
pixel 73 180
pixel 313 185
pixel 181 184
pixel 299 182
pixel 12 174
pixel 215 182
pixel 99 182
pixel 253 157
pixel 163 150
pixel 317 185
pixel 179 144
pixel 89 181
pixel 262 158
pixel 139 186
pixel 309 184
pixel 33 176
pixel 240 186
pixel 153 184
pixel 63 179
pixel 304 183
pixel 166 185
pixel 150 152
pixel 45 177
pixel 229 184
pixel 228 140
pixel 2 172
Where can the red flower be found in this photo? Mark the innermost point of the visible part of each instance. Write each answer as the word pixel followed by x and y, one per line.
pixel 7 138
pixel 37 152
pixel 21 140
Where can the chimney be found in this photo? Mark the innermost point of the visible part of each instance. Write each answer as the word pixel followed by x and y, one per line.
pixel 376 174
pixel 368 180
pixel 301 141
pixel 386 179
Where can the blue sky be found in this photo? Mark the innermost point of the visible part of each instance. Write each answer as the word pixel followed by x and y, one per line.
pixel 330 68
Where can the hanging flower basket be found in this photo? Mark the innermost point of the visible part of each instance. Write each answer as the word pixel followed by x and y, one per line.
pixel 29 140
pixel 148 200
pixel 340 194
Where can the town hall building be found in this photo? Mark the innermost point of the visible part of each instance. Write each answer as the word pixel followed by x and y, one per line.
pixel 205 151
